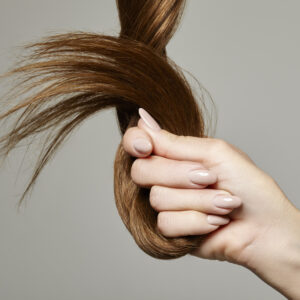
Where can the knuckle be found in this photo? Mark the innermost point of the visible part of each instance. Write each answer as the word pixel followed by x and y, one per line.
pixel 220 145
pixel 136 171
pixel 166 150
pixel 193 217
pixel 154 197
pixel 172 137
pixel 163 222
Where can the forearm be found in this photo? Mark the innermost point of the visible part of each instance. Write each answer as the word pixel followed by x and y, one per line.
pixel 277 257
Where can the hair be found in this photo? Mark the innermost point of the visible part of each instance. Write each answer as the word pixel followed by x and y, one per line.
pixel 66 78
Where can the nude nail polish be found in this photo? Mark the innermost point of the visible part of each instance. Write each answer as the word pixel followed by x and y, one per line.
pixel 204 177
pixel 226 201
pixel 148 119
pixel 217 220
pixel 142 145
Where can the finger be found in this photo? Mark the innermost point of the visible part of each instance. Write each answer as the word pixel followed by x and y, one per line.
pixel 183 223
pixel 137 142
pixel 156 170
pixel 207 201
pixel 181 147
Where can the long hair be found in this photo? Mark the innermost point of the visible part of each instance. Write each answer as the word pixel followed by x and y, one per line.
pixel 65 78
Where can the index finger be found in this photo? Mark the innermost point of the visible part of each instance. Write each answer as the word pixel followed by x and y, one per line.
pixel 178 147
pixel 137 142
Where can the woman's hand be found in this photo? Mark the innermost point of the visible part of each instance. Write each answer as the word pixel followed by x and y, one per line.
pixel 178 193
pixel 264 232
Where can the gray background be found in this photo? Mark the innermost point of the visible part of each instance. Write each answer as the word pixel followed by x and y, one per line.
pixel 68 242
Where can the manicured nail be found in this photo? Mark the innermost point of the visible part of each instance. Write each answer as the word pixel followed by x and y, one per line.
pixel 142 145
pixel 217 220
pixel 148 119
pixel 226 201
pixel 202 177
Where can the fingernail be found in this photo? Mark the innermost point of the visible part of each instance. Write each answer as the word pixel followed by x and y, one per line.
pixel 202 177
pixel 142 145
pixel 226 201
pixel 217 220
pixel 148 119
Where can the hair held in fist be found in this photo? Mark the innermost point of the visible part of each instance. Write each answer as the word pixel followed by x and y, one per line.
pixel 63 79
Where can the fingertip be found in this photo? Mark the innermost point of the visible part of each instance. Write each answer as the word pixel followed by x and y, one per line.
pixel 223 211
pixel 202 177
pixel 137 142
pixel 227 201
pixel 217 220
pixel 142 147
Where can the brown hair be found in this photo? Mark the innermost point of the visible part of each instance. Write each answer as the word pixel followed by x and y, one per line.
pixel 72 76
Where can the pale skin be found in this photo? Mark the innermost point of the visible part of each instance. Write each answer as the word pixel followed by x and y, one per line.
pixel 259 228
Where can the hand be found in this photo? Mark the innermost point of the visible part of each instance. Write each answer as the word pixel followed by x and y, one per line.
pixel 185 206
pixel 263 234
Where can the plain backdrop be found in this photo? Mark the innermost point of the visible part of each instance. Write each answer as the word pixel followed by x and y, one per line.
pixel 68 241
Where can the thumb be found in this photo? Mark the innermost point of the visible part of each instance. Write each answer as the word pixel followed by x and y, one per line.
pixel 178 147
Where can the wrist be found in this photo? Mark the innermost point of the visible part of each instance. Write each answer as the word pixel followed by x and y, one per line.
pixel 275 255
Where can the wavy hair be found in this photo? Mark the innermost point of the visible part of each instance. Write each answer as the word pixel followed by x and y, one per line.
pixel 65 78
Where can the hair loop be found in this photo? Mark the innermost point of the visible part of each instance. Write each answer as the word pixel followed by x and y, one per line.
pixel 71 76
